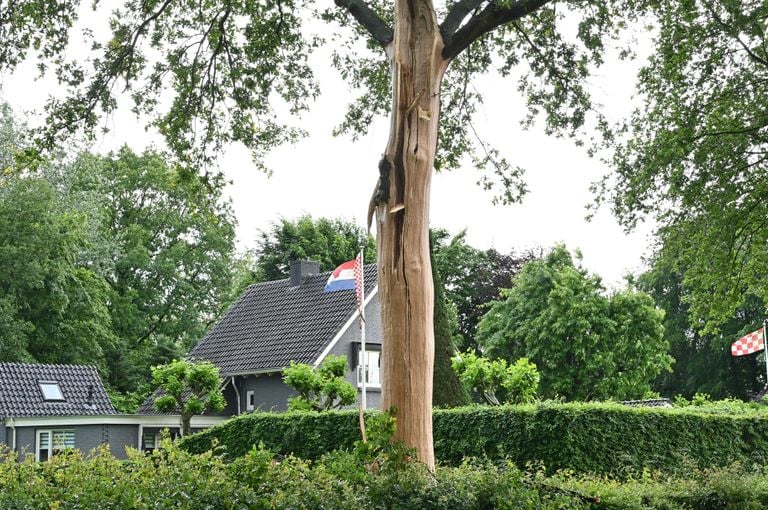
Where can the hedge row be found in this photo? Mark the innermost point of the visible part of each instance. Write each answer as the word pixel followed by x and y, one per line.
pixel 173 479
pixel 587 438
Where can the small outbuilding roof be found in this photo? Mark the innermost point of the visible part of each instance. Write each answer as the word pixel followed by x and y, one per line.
pixel 32 390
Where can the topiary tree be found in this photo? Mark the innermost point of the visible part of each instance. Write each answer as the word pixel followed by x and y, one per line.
pixel 518 381
pixel 322 388
pixel 189 388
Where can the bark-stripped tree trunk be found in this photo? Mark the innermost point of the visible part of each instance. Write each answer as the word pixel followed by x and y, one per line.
pixel 405 275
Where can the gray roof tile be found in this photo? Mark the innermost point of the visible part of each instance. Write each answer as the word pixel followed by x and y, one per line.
pixel 20 394
pixel 274 323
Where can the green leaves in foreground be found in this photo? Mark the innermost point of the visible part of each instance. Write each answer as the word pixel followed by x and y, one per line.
pixel 322 388
pixel 170 478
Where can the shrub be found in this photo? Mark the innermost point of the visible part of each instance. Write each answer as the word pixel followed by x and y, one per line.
pixel 588 438
pixel 518 382
pixel 171 478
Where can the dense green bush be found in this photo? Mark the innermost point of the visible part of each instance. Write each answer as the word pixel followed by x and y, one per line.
pixel 588 438
pixel 172 478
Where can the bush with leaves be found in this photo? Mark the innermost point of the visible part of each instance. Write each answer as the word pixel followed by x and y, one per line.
pixel 516 383
pixel 322 388
pixel 189 388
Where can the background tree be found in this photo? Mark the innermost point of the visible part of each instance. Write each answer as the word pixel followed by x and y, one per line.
pixel 703 362
pixel 447 390
pixel 325 240
pixel 322 388
pixel 230 61
pixel 586 346
pixel 695 154
pixel 472 279
pixel 188 388
pixel 165 246
pixel 117 261
pixel 52 309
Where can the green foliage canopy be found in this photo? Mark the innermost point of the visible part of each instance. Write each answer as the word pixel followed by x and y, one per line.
pixel 320 389
pixel 695 153
pixel 188 388
pixel 586 345
pixel 240 72
pixel 472 279
pixel 518 381
pixel 703 361
pixel 325 240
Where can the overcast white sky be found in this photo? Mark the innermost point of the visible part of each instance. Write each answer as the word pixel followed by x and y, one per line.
pixel 334 177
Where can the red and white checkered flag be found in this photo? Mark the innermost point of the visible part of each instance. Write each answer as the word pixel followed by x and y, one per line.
pixel 748 344
pixel 359 279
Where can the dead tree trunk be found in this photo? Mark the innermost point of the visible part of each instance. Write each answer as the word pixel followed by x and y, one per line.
pixel 405 276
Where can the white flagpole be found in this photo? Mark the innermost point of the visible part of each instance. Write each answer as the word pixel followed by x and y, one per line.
pixel 363 402
pixel 765 349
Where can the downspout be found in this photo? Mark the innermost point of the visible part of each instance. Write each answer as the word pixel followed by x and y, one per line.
pixel 237 393
pixel 13 427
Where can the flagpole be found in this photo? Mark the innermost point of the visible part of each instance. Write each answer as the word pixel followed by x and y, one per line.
pixel 363 402
pixel 765 351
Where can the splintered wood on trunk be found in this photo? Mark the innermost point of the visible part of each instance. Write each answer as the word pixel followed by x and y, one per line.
pixel 405 276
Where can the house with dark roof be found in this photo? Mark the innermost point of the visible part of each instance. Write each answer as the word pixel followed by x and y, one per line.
pixel 277 322
pixel 48 408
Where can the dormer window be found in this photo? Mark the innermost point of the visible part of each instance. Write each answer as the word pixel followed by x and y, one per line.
pixel 51 391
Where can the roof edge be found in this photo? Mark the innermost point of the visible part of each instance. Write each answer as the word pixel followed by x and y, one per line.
pixel 344 328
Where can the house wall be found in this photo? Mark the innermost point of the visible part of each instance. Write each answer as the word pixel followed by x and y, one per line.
pixel 3 433
pixel 87 437
pixel 231 398
pixel 348 345
pixel 25 441
pixel 270 392
pixel 118 437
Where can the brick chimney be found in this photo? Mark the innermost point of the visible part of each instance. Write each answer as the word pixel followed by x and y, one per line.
pixel 300 269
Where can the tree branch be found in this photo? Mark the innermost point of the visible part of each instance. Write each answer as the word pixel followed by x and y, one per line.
pixel 486 20
pixel 368 19
pixel 456 15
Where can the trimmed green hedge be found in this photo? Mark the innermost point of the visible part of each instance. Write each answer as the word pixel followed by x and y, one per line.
pixel 588 438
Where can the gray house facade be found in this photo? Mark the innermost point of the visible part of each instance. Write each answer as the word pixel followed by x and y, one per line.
pixel 45 409
pixel 277 322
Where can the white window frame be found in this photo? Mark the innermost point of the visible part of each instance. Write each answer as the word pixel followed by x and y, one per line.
pixel 52 386
pixel 50 433
pixel 250 400
pixel 360 369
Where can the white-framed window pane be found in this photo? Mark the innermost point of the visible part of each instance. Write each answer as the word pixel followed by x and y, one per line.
pixel 372 369
pixel 45 439
pixel 50 442
pixel 250 401
pixel 51 391
pixel 63 439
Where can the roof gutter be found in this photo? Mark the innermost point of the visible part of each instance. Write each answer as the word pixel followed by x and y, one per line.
pixel 261 371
